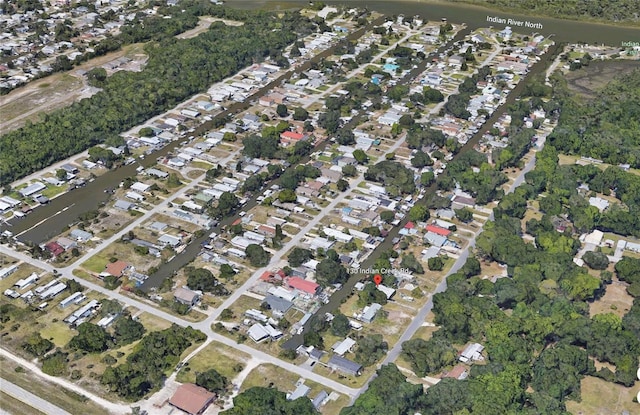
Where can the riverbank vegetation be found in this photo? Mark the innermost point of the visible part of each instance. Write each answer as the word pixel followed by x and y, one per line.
pixel 177 69
pixel 606 11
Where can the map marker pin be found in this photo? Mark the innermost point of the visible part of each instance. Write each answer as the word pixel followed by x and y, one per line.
pixel 377 279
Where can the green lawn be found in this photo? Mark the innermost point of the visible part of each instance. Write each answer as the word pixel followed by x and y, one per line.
pixel 215 356
pixel 95 264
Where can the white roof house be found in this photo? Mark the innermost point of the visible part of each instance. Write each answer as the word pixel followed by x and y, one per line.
pixel 472 352
pixel 344 346
pixel 599 203
pixel 369 312
pixel 140 187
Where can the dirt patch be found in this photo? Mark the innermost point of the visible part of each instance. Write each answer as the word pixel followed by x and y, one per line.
pixel 57 90
pixel 587 81
pixel 203 26
pixel 615 300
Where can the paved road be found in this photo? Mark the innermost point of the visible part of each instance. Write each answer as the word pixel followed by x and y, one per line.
pixel 110 406
pixel 30 399
pixel 416 323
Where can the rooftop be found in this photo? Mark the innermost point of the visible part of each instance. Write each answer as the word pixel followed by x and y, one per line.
pixel 191 398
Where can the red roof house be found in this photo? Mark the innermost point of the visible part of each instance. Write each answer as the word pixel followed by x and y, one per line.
pixel 266 276
pixel 55 248
pixel 438 230
pixel 410 225
pixel 192 399
pixel 116 268
pixel 306 286
pixel 291 137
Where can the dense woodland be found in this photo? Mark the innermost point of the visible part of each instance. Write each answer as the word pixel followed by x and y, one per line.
pixel 177 69
pixel 540 339
pixel 606 127
pixel 604 10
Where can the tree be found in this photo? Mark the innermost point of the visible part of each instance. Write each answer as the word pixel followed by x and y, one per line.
pixel 300 114
pixel 596 260
pixel 212 381
pixel 340 325
pixel 287 196
pixel 36 345
pixel 330 272
pixel 61 174
pixel 227 204
pixel 55 364
pixel 360 156
pixel 419 213
pixel 127 330
pixel 428 357
pixel 345 137
pixel 90 338
pixel 258 400
pixel 257 256
pixel 421 159
pixel 388 393
pixel 464 215
pixel 226 271
pixel 435 264
pixel 342 185
pixel 427 178
pixel 203 280
pixel 282 110
pixel 387 216
pixel 370 349
pixel 411 262
pixel 313 338
pixel 299 256
pixel 349 170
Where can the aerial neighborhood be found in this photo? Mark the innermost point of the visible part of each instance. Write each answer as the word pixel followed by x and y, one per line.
pixel 333 199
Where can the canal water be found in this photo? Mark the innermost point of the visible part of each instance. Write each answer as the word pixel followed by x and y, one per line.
pixel 91 196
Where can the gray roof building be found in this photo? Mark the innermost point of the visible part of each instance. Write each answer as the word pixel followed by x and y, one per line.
pixel 345 365
pixel 278 304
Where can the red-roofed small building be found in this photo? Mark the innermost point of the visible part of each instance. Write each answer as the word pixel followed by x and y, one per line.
pixel 55 248
pixel 306 286
pixel 192 399
pixel 289 137
pixel 116 268
pixel 266 276
pixel 410 225
pixel 438 230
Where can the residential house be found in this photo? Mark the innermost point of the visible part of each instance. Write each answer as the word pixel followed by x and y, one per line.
pixel 169 240
pixel 192 399
pixel 369 312
pixel 54 248
pixel 117 268
pixel 459 372
pixel 277 304
pixel 344 365
pixel 343 346
pixel 80 235
pixel 306 286
pixel 472 352
pixel 123 205
pixel 301 391
pixel 186 296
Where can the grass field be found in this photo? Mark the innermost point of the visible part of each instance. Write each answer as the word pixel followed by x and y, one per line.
pixel 604 398
pixel 57 395
pixel 215 356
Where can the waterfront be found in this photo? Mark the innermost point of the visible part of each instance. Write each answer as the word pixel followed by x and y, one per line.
pixel 568 31
pixel 90 197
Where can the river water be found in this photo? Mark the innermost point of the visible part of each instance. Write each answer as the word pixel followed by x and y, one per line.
pixel 475 16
